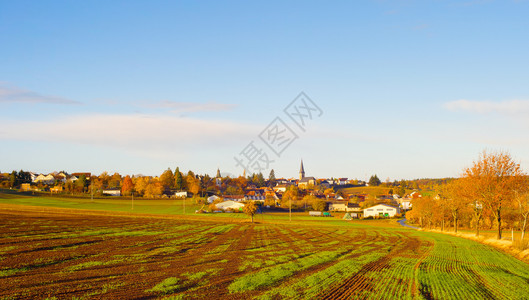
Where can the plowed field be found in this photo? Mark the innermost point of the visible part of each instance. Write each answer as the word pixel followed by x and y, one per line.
pixel 47 253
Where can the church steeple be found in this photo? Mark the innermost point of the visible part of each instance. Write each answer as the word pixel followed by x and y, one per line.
pixel 301 171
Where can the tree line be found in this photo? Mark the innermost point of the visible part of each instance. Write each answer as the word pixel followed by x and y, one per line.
pixel 147 186
pixel 493 192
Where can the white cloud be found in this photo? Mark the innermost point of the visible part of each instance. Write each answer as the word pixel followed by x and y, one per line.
pixel 132 131
pixel 18 95
pixel 181 107
pixel 511 107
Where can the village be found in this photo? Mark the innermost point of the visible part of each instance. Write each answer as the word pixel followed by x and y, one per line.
pixel 315 196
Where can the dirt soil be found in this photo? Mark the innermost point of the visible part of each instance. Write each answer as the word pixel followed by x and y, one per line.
pixel 49 252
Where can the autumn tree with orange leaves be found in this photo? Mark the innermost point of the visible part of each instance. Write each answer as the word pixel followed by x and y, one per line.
pixel 456 201
pixel 492 181
pixel 127 187
pixel 522 207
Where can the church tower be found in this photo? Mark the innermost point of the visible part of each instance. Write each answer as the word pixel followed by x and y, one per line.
pixel 218 179
pixel 301 171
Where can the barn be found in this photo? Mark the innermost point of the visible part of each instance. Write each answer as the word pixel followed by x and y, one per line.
pixel 381 211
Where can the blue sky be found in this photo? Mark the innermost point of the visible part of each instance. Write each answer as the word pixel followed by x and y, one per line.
pixel 408 89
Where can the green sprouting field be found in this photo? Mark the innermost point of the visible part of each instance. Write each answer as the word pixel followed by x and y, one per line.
pixel 47 252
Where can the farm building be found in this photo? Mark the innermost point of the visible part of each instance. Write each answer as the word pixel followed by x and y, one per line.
pixel 230 205
pixel 237 198
pixel 343 206
pixel 213 198
pixel 381 211
pixel 180 194
pixel 112 192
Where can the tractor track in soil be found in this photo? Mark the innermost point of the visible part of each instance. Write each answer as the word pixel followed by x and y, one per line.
pixel 96 255
pixel 360 282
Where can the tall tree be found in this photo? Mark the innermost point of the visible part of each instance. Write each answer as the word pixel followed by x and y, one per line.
pixel 374 181
pixel 23 177
pixel 80 184
pixel 451 197
pixel 464 191
pixel 193 184
pixel 141 183
pixel 13 179
pixel 128 186
pixel 153 190
pixel 495 177
pixel 115 181
pixel 205 182
pixel 291 194
pixel 522 201
pixel 179 182
pixel 167 179
pixel 260 181
pixel 272 178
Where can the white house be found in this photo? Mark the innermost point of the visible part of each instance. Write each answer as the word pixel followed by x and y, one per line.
pixel 280 188
pixel 259 198
pixel 72 178
pixel 230 205
pixel 213 198
pixel 343 206
pixel 342 181
pixel 306 181
pixel 381 211
pixel 112 192
pixel 180 194
pixel 45 179
pixel 405 204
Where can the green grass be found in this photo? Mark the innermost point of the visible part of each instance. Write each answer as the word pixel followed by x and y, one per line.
pixel 458 267
pixel 167 286
pixel 309 286
pixel 85 265
pixel 9 272
pixel 162 206
pixel 272 275
pixel 195 276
